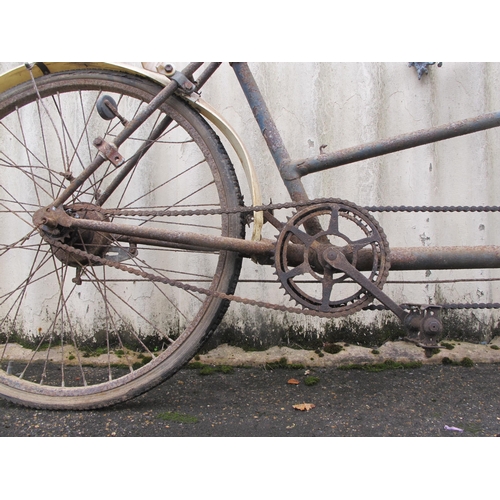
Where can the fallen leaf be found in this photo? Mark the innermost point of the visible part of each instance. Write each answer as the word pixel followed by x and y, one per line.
pixel 304 406
pixel 293 381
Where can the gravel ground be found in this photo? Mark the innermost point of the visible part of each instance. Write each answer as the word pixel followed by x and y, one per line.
pixel 260 402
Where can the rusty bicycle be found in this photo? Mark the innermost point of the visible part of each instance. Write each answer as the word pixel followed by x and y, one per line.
pixel 123 230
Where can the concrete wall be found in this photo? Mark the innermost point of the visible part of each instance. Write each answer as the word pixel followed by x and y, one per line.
pixel 345 104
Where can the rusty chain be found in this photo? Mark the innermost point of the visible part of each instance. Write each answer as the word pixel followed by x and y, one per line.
pixel 264 208
pixel 183 286
pixel 280 206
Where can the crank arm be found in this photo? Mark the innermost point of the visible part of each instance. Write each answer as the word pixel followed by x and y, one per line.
pixel 337 260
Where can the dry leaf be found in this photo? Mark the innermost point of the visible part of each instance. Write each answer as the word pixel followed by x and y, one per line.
pixel 293 381
pixel 304 406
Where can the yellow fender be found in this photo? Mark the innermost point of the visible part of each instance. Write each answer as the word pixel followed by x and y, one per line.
pixel 20 75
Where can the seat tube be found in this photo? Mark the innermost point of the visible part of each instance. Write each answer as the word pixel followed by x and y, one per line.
pixel 270 132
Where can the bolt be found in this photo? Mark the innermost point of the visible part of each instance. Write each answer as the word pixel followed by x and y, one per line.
pixel 98 141
pixel 188 85
pixel 331 254
pixel 169 68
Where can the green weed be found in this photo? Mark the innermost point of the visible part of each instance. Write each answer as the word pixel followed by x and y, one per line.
pixel 332 348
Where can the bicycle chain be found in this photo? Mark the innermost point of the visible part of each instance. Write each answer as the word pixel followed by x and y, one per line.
pixel 280 206
pixel 184 286
pixel 265 208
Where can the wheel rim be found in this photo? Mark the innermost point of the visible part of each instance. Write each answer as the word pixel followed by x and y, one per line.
pixel 80 330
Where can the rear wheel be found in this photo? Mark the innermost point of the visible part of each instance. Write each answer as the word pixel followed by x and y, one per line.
pixel 75 333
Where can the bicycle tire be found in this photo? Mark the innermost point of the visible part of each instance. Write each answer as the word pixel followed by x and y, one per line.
pixel 75 335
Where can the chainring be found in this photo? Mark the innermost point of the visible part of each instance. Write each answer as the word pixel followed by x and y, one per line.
pixel 312 283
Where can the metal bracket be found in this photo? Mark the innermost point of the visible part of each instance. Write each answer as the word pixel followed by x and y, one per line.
pixel 119 254
pixel 185 84
pixel 109 151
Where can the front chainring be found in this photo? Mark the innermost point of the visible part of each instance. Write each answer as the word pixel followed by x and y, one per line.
pixel 314 285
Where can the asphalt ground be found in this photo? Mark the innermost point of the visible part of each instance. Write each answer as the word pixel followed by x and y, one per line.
pixel 255 406
pixel 260 402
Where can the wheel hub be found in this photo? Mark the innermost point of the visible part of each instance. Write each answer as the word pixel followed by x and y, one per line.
pixel 92 242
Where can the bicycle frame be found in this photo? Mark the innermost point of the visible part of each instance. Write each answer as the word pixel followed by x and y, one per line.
pixel 291 172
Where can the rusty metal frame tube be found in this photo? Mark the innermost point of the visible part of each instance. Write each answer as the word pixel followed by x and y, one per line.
pixel 269 131
pixel 394 144
pixel 402 259
pixel 435 258
pixel 275 144
pixel 204 242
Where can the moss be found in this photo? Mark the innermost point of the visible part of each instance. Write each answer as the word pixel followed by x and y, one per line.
pixel 90 352
pixel 225 369
pixel 375 351
pixel 332 348
pixel 206 370
pixel 495 347
pixel 195 365
pixel 273 365
pixel 282 363
pixel 467 362
pixel 378 367
pixel 311 380
pixel 447 345
pixel 143 360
